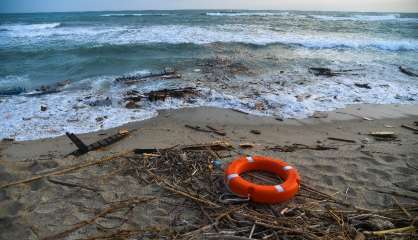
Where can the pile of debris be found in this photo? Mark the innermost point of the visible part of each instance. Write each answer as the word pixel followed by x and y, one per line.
pixel 132 97
pixel 192 182
pixel 220 68
pixel 197 176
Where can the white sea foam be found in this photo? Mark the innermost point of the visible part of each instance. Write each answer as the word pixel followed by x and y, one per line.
pixel 74 111
pixel 239 14
pixel 360 17
pixel 176 34
pixel 134 14
pixel 29 27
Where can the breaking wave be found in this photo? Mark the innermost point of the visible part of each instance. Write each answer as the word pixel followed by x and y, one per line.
pixel 28 27
pixel 134 14
pixel 234 33
pixel 360 17
pixel 238 14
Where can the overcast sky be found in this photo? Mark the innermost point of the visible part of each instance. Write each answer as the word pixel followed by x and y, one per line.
pixel 97 5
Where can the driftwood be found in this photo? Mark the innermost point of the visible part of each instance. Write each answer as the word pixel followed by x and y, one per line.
pixel 294 147
pixel 410 128
pixel 363 85
pixel 209 130
pixel 321 71
pixel 167 73
pixel 83 148
pixel 215 146
pixel 342 139
pixel 407 72
pixel 384 136
pixel 145 150
pixel 161 95
pixel 197 128
pixel 220 132
pixel 317 71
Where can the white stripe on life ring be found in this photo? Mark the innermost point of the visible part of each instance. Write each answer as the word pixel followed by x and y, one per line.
pixel 250 159
pixel 287 168
pixel 230 177
pixel 279 188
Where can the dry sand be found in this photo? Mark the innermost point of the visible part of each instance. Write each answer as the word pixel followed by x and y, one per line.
pixel 367 173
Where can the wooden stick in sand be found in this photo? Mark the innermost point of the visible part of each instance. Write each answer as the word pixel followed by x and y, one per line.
pixel 66 170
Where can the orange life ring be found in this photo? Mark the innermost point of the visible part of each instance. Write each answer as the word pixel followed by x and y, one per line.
pixel 262 193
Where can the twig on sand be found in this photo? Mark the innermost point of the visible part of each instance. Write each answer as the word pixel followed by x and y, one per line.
pixel 410 128
pixel 65 170
pixel 342 139
pixel 116 207
pixel 409 229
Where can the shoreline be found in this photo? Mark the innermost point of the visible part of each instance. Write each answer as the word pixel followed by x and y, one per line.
pixel 349 112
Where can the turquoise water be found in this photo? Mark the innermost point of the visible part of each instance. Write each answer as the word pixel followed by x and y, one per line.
pixel 90 49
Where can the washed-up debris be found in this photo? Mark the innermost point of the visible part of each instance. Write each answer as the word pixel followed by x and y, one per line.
pixel 162 95
pixel 192 182
pixel 239 111
pixel 209 129
pixel 321 71
pixel 384 136
pixel 226 65
pixel 145 150
pixel 83 148
pixel 296 146
pixel 167 73
pixel 197 128
pixel 363 85
pixel 320 115
pixel 133 95
pixel 215 146
pixel 407 72
pixel 342 139
pixel 256 132
pixel 367 118
pixel 410 128
pixel 220 132
pixel 131 105
pixel 246 145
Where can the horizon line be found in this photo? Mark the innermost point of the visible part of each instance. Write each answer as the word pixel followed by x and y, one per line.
pixel 208 9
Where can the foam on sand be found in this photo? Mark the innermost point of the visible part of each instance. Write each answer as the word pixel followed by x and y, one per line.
pixel 82 109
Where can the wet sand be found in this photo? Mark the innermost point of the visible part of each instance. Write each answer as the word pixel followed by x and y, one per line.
pixel 367 173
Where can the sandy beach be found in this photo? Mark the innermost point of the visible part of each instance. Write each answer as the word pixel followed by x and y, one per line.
pixel 362 171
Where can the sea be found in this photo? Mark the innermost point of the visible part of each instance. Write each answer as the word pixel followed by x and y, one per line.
pixel 258 62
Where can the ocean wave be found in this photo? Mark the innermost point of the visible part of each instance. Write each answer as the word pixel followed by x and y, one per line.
pixel 231 33
pixel 29 27
pixel 239 14
pixel 134 14
pixel 360 17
